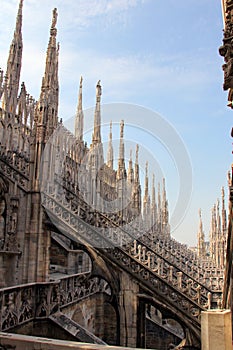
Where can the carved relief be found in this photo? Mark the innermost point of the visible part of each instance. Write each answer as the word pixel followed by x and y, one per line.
pixel 42 307
pixel 9 312
pixel 26 307
pixel 11 242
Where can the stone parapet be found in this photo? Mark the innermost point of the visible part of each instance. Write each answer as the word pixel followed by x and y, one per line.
pixel 22 342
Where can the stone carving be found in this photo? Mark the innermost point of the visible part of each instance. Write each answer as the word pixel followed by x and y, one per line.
pixel 42 306
pixel 18 304
pixel 26 307
pixel 162 265
pixel 226 50
pixel 11 241
pixel 9 314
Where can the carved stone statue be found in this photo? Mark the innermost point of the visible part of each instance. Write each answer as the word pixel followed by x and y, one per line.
pixel 228 74
pixel 98 89
pixel 54 20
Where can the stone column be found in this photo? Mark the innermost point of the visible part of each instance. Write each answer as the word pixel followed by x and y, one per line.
pixel 216 333
pixel 128 300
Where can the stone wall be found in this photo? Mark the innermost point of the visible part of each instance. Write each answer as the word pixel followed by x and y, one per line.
pixel 43 328
pixel 97 316
pixel 157 337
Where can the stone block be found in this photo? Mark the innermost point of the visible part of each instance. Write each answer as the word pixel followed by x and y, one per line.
pixel 216 331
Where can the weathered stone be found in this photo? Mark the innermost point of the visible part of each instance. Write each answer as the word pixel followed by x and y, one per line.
pixel 216 331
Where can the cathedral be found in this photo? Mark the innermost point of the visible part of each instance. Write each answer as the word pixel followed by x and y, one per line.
pixel 27 126
pixel 81 238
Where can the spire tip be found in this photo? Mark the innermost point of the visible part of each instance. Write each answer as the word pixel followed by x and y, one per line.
pixel 54 20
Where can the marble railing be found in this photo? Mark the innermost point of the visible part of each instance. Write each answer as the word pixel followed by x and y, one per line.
pixel 169 281
pixel 176 253
pixel 203 271
pixel 24 303
pixel 211 278
pixel 15 166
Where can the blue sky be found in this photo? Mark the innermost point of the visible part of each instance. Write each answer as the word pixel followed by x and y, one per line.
pixel 162 55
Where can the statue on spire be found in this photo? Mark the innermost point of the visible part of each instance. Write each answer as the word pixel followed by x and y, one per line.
pixel 137 150
pixel 98 89
pixel 122 129
pixel 54 20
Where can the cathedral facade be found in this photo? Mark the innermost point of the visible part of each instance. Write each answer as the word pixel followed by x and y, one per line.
pixel 79 236
pixel 26 127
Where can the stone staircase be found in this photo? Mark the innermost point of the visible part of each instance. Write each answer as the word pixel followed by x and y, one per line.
pixel 74 329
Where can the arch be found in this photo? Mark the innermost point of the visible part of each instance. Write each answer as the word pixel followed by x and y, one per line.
pixel 192 335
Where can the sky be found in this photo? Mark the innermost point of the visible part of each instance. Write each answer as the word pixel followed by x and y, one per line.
pixel 159 56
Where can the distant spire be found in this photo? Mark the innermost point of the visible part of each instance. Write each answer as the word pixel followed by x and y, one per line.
pixel 136 167
pixel 47 107
pixel 219 228
pixel 22 105
pixel 224 216
pixel 79 115
pixel 46 112
pixel 136 185
pixel 165 213
pixel 164 195
pixel 146 199
pixel 214 223
pixel 110 148
pixel 200 222
pixel 201 239
pixel 121 172
pixel 212 232
pixel 14 64
pixel 159 209
pixel 153 203
pixel 229 176
pixel 18 27
pixel 146 182
pixel 130 173
pixel 96 153
pixel 153 190
pixel 96 136
pixel 146 189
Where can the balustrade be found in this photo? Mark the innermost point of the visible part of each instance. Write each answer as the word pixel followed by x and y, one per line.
pixel 38 300
pixel 137 257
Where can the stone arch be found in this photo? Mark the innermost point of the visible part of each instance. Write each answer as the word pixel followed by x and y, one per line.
pixel 192 336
